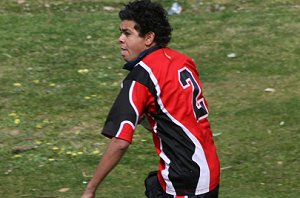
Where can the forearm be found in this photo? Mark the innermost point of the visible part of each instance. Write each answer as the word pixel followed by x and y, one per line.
pixel 110 159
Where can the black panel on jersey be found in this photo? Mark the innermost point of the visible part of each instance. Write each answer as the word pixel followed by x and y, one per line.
pixel 120 111
pixel 183 173
pixel 140 75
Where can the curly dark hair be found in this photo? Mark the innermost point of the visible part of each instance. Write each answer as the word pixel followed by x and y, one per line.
pixel 149 17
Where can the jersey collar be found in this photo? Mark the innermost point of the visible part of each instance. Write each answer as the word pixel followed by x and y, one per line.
pixel 131 64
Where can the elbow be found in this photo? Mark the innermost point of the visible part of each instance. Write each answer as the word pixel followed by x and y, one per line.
pixel 120 144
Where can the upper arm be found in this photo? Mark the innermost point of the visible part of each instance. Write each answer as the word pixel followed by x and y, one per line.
pixel 126 111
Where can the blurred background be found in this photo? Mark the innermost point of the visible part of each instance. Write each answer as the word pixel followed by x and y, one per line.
pixel 60 71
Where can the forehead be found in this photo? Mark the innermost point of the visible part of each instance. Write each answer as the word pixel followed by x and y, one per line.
pixel 127 25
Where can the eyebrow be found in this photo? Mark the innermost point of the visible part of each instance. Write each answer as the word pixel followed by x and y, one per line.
pixel 125 30
pixel 122 29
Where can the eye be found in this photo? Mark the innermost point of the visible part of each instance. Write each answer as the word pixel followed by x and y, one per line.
pixel 126 33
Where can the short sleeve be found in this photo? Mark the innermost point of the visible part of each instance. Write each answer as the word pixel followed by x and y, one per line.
pixel 129 105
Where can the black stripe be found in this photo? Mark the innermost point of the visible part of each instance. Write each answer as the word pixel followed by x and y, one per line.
pixel 120 111
pixel 179 148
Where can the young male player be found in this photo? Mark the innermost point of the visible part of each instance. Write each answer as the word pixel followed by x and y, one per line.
pixel 162 85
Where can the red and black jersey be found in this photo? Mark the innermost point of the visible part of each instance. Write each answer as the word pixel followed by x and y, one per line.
pixel 164 85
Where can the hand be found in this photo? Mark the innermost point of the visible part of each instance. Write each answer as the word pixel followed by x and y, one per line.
pixel 88 194
pixel 113 154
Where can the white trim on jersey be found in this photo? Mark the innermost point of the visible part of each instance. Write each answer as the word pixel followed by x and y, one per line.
pixel 135 109
pixel 198 156
pixel 132 103
pixel 122 125
pixel 165 172
pixel 186 196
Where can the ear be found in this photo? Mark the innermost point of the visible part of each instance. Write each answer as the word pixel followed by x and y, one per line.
pixel 149 39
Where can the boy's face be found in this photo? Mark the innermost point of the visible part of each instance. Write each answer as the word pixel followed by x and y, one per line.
pixel 130 42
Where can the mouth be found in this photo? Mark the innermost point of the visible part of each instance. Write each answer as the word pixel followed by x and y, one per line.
pixel 123 51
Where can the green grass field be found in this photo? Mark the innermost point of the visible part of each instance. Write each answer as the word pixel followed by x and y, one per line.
pixel 60 71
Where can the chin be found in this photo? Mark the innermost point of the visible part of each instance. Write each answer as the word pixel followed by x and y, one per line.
pixel 126 60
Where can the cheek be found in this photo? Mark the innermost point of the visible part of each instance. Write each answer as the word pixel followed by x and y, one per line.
pixel 137 47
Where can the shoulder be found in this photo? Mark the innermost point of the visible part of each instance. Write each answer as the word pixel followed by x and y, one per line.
pixel 165 56
pixel 168 53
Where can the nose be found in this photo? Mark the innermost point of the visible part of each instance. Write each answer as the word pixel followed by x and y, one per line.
pixel 121 38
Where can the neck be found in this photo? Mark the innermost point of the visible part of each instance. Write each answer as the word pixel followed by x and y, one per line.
pixel 131 64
